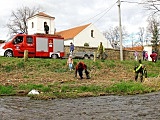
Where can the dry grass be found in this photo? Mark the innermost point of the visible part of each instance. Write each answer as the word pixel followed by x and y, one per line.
pixel 14 71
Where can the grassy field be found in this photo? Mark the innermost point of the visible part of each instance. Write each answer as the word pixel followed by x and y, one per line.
pixel 52 78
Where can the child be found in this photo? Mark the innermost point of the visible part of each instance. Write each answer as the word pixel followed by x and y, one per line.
pixel 70 62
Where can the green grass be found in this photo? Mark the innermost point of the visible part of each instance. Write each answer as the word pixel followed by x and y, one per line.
pixel 68 91
pixel 128 88
pixel 6 90
pixel 29 87
pixel 8 68
pixel 20 65
pixel 59 66
pixel 36 67
pixel 81 89
pixel 110 64
pixel 153 74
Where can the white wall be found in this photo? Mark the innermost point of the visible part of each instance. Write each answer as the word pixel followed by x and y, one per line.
pixel 67 42
pixel 85 37
pixel 149 50
pixel 29 24
pixel 39 24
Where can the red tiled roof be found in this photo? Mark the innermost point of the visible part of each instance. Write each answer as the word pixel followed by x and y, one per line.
pixel 137 48
pixel 71 33
pixel 44 15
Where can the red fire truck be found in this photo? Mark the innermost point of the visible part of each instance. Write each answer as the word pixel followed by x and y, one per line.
pixel 38 45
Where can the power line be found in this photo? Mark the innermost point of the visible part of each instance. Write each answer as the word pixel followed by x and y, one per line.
pixel 103 12
pixel 133 2
pixel 145 3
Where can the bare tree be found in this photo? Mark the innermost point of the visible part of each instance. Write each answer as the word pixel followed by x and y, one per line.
pixel 112 34
pixel 152 5
pixel 141 35
pixel 18 21
pixel 153 28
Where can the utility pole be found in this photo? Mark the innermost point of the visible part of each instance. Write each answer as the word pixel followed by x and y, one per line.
pixel 120 30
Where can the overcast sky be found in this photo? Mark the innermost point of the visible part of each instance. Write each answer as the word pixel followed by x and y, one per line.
pixel 71 13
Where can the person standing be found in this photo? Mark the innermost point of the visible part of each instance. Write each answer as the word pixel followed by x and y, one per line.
pixel 101 50
pixel 144 53
pixel 70 62
pixel 136 55
pixel 146 56
pixel 46 28
pixel 71 48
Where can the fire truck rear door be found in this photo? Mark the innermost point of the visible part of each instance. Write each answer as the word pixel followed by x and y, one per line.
pixel 58 45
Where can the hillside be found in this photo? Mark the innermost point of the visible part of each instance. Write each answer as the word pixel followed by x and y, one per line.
pixel 16 72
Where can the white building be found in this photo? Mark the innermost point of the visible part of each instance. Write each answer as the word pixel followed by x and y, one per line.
pixel 84 34
pixel 149 50
pixel 36 23
pixel 78 35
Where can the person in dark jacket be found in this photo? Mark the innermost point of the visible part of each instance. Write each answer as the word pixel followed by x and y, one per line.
pixel 140 70
pixel 80 67
pixel 46 28
pixel 143 53
pixel 71 48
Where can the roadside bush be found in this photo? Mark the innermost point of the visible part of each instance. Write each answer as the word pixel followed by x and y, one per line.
pixel 86 44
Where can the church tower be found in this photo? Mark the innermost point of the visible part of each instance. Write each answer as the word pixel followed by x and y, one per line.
pixel 37 22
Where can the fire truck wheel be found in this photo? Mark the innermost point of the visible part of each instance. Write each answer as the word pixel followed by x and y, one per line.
pixel 86 57
pixel 8 53
pixel 91 57
pixel 54 56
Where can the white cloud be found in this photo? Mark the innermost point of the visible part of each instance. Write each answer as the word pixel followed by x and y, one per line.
pixel 71 13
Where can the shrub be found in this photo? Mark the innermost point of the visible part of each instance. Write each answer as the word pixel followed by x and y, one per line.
pixel 86 44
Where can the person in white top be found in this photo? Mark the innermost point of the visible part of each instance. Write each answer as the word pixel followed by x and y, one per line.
pixel 70 62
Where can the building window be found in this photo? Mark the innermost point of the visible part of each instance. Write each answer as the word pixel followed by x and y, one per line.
pixel 32 25
pixel 92 33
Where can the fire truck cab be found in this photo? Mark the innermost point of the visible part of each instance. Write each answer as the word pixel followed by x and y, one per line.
pixel 38 45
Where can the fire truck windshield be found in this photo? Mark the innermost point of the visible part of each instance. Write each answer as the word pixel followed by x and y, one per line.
pixel 9 39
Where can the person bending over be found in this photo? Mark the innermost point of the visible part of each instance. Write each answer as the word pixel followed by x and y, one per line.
pixel 80 67
pixel 141 69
